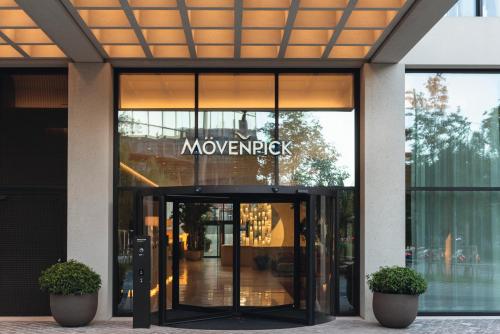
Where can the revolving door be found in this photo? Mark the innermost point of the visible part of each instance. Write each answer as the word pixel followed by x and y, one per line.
pixel 223 255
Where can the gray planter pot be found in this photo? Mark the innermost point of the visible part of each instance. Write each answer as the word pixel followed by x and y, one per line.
pixel 395 311
pixel 73 310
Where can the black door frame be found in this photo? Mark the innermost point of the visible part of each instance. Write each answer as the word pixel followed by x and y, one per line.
pixel 237 195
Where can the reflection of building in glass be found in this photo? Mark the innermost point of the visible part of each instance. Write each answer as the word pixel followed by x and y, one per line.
pixel 151 144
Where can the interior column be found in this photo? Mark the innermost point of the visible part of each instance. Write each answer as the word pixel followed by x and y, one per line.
pixel 90 173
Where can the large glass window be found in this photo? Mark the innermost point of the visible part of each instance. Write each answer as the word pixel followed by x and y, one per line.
pixel 225 169
pixel 463 8
pixel 347 271
pixel 157 91
pixel 236 107
pixel 452 130
pixel 236 91
pixel 475 8
pixel 159 114
pixel 491 7
pixel 326 154
pixel 453 196
pixel 316 91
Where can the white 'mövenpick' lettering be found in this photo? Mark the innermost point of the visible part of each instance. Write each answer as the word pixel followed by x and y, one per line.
pixel 234 147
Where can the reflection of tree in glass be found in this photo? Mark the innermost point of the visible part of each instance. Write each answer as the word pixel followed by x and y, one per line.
pixel 314 162
pixel 435 128
pixel 440 136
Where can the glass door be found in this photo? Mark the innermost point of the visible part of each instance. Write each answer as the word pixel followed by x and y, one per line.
pixel 272 259
pixel 223 256
pixel 199 258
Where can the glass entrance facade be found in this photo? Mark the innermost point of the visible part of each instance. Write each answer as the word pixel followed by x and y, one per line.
pixel 240 133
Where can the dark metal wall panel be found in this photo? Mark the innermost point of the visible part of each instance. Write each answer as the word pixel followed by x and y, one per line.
pixel 33 178
pixel 33 230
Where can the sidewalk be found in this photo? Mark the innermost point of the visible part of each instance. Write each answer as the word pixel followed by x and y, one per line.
pixel 342 325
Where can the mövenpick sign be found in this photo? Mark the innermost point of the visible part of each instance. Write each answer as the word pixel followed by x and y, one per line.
pixel 235 147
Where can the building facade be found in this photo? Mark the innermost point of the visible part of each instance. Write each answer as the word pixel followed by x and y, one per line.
pixel 275 154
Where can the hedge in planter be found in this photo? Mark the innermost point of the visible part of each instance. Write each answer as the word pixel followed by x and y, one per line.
pixel 73 288
pixel 395 298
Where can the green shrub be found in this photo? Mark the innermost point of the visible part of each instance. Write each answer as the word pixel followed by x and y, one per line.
pixel 397 280
pixel 68 278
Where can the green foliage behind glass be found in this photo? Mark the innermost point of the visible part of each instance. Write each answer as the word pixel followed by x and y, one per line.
pixel 397 280
pixel 68 278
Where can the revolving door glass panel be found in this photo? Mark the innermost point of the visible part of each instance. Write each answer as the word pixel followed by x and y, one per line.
pixel 272 260
pixel 199 272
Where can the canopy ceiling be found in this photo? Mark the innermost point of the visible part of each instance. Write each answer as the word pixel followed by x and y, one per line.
pixel 245 33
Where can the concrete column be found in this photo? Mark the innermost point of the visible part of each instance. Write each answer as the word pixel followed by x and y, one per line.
pixel 382 173
pixel 90 173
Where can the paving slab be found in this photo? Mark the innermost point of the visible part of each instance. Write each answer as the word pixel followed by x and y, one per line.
pixel 344 326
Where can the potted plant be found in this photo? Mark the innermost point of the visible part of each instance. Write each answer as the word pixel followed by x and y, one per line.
pixel 73 291
pixel 191 218
pixel 395 295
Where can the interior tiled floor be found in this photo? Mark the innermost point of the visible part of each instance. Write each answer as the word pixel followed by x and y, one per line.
pixel 208 283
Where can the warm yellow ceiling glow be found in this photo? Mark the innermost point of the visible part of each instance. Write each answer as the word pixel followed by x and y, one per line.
pixel 158 18
pixel 211 18
pixel 154 91
pixel 96 3
pixel 241 91
pixel 266 4
pixel 116 36
pixel 370 18
pixel 293 51
pixel 15 18
pixel 264 18
pixel 170 51
pixel 300 36
pixel 362 37
pixel 8 3
pixel 21 36
pixel 213 36
pixel 104 18
pixel 324 3
pixel 380 3
pixel 249 36
pixel 43 51
pixel 316 91
pixel 215 51
pixel 164 36
pixel 124 51
pixel 211 29
pixel 317 18
pixel 153 3
pixel 259 51
pixel 7 51
pixel 210 3
pixel 351 52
